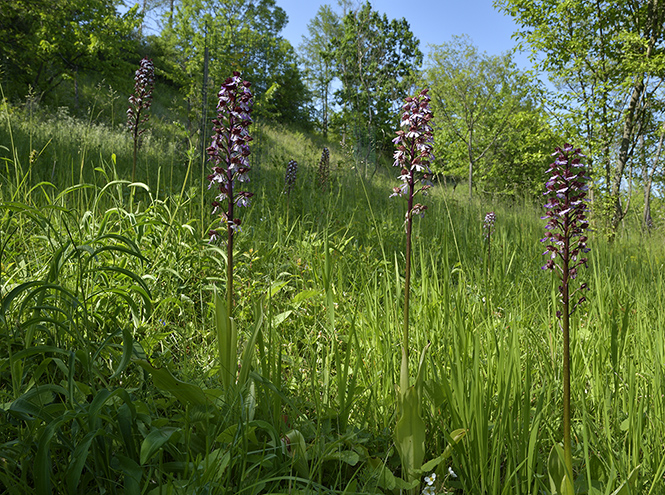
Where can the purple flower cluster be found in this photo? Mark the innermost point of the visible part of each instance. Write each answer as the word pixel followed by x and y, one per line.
pixel 566 216
pixel 488 225
pixel 414 150
pixel 324 169
pixel 144 82
pixel 290 177
pixel 229 151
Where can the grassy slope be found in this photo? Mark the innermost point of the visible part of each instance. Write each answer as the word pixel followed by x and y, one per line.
pixel 493 367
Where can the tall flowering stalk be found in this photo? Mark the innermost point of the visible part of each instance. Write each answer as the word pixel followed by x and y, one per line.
pixel 566 226
pixel 290 177
pixel 413 155
pixel 324 169
pixel 488 230
pixel 229 154
pixel 139 103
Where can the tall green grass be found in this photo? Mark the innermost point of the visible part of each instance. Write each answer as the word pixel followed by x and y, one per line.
pixel 108 380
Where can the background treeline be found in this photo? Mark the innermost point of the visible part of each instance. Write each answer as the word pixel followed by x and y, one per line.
pixel 495 123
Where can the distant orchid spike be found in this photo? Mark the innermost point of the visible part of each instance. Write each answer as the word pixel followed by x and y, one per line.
pixel 324 169
pixel 488 230
pixel 142 98
pixel 229 152
pixel 488 225
pixel 290 177
pixel 139 103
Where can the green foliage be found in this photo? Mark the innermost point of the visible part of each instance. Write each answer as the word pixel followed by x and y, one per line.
pixel 108 381
pixel 489 126
pixel 605 58
pixel 377 61
pixel 317 52
pixel 239 35
pixel 43 43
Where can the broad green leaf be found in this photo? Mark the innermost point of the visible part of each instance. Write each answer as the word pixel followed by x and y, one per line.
pixel 628 486
pixel 248 351
pixel 348 456
pixel 410 434
pixel 560 483
pixel 216 461
pixel 227 342
pixel 79 458
pixel 186 393
pixel 386 479
pixel 154 441
pixel 429 466
pixel 132 472
pixel 127 347
pixel 304 295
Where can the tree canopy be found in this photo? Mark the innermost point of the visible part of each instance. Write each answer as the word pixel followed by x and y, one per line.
pixel 489 126
pixel 606 59
pixel 43 42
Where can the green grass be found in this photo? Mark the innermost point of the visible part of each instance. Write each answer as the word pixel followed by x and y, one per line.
pixel 109 379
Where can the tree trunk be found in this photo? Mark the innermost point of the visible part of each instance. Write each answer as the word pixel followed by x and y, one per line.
pixel 647 220
pixel 628 131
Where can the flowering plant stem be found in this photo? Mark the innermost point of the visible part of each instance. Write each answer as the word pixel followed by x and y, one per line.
pixel 139 103
pixel 413 156
pixel 229 153
pixel 566 226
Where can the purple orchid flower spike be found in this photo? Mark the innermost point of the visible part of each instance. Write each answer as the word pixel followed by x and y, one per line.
pixel 139 104
pixel 229 153
pixel 566 240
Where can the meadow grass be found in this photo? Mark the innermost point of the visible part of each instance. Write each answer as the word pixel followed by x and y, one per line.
pixel 110 376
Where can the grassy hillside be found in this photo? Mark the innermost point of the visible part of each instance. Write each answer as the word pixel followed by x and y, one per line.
pixel 110 379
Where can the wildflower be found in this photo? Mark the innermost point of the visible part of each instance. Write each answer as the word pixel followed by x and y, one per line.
pixel 566 226
pixel 414 151
pixel 430 479
pixel 140 102
pixel 290 177
pixel 451 472
pixel 324 169
pixel 413 156
pixel 488 224
pixel 566 219
pixel 229 152
pixel 428 490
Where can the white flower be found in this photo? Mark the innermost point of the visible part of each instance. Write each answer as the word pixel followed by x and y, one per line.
pixel 428 490
pixel 451 472
pixel 430 479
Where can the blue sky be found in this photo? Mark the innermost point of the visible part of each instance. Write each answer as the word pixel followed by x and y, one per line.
pixel 432 22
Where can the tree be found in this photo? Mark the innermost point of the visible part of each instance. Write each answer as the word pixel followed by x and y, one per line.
pixel 43 43
pixel 240 35
pixel 605 56
pixel 317 53
pixel 487 120
pixel 376 61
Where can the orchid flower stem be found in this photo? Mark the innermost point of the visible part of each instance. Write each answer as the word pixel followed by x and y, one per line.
pixel 566 226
